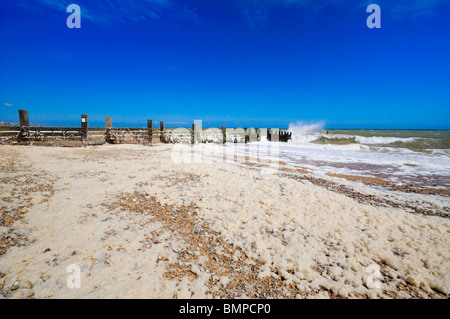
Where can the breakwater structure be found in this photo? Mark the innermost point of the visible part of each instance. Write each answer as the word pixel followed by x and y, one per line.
pixel 83 135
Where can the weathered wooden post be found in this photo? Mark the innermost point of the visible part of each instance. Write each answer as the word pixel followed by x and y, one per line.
pixel 161 129
pixel 195 133
pixel 263 134
pixel 24 123
pixel 150 131
pixel 84 126
pixel 108 126
pixel 23 118
pixel 285 136
pixel 252 135
pixel 224 132
pixel 275 135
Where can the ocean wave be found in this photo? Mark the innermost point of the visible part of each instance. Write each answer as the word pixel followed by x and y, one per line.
pixel 422 144
pixel 380 140
pixel 314 134
pixel 336 140
pixel 303 133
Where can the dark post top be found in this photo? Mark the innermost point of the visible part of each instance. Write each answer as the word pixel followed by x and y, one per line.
pixel 23 118
pixel 84 121
pixel 84 125
pixel 161 126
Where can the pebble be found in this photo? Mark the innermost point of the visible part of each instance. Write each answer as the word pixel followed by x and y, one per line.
pixel 15 285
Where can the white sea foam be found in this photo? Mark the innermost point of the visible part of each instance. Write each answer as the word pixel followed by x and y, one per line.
pixel 312 143
pixel 303 132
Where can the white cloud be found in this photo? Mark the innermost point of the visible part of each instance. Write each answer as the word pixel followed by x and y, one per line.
pixel 257 11
pixel 110 12
pixel 411 8
pixel 8 104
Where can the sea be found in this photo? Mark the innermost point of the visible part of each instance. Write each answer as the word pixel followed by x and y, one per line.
pixel 403 157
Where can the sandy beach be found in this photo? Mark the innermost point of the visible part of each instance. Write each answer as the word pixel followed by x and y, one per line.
pixel 137 224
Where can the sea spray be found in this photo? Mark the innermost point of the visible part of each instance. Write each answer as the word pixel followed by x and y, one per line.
pixel 303 132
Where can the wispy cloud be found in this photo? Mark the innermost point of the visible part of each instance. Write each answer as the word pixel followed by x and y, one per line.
pixel 411 8
pixel 257 11
pixel 8 104
pixel 112 12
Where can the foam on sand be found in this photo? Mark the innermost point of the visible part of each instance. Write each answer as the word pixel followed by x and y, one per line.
pixel 308 236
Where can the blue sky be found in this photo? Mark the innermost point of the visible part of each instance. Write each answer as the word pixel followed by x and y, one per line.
pixel 235 63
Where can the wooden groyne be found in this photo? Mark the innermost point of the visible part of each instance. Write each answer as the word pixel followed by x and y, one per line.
pixel 26 134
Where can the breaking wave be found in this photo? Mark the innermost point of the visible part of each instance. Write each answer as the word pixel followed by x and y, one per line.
pixel 304 133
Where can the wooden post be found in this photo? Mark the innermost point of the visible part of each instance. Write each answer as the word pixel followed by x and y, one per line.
pixel 108 122
pixel 198 133
pixel 161 129
pixel 224 132
pixel 275 135
pixel 84 126
pixel 23 118
pixel 108 126
pixel 252 135
pixel 150 131
pixel 196 136
pixel 263 134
